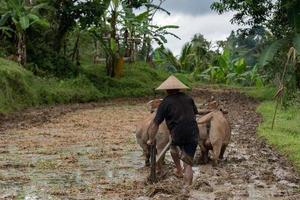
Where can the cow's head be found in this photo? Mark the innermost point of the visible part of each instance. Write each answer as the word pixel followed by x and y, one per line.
pixel 212 105
pixel 153 105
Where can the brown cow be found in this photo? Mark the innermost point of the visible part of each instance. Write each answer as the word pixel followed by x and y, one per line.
pixel 162 137
pixel 218 136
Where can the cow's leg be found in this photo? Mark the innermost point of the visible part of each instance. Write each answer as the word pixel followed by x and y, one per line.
pixel 208 146
pixel 198 156
pixel 203 159
pixel 222 151
pixel 216 152
pixel 205 156
pixel 146 149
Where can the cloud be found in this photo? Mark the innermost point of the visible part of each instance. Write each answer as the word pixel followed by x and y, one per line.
pixel 214 27
pixel 188 7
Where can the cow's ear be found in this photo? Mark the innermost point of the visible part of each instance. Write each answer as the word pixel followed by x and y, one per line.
pixel 149 106
pixel 149 102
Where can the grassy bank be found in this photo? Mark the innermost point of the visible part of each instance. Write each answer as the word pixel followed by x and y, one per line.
pixel 20 89
pixel 285 136
pixel 17 87
pixel 286 133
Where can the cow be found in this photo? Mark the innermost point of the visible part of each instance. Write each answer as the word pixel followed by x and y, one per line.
pixel 162 137
pixel 215 133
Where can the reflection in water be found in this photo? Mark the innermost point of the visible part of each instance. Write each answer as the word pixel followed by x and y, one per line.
pixel 62 180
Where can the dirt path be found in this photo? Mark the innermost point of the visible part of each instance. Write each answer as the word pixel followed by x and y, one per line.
pixel 89 152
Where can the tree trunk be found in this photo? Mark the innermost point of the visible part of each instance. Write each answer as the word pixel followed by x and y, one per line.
pixel 22 55
pixel 97 52
pixel 111 63
pixel 119 67
pixel 60 35
pixel 126 43
pixel 132 48
pixel 77 57
pixel 19 53
pixel 148 57
pixel 76 46
pixel 111 58
pixel 57 42
pixel 144 48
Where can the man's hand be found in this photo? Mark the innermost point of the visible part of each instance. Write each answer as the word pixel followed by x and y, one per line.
pixel 152 131
pixel 150 142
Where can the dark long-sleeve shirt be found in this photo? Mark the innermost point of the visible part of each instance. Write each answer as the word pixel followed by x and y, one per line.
pixel 179 111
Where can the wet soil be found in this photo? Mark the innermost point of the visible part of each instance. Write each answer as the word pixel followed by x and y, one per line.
pixel 88 151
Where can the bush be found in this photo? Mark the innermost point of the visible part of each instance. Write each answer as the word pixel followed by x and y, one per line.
pixel 16 89
pixel 79 90
pixel 139 80
pixel 21 89
pixel 43 61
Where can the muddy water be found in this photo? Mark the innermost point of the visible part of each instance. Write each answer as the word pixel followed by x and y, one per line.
pixel 91 153
pixel 83 155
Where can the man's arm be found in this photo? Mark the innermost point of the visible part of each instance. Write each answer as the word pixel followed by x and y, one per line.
pixel 154 125
pixel 152 131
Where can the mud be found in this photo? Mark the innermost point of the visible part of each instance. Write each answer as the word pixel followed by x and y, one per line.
pixel 88 151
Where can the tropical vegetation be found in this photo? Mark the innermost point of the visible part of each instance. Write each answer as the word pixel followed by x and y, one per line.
pixel 97 41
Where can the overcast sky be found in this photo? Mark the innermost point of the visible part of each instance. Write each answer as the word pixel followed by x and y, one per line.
pixel 194 16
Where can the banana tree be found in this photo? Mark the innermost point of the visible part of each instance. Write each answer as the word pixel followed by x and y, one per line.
pixel 231 70
pixel 140 27
pixel 22 16
pixel 6 30
pixel 133 30
pixel 125 30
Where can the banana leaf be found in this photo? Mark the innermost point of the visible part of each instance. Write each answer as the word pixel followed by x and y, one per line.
pixel 270 51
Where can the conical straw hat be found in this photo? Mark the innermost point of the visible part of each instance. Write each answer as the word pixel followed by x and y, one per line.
pixel 172 83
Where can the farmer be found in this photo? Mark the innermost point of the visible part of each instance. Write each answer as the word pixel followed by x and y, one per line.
pixel 179 110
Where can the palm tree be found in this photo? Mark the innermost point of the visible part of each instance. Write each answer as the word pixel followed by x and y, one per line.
pixel 201 49
pixel 21 16
pixel 185 62
pixel 187 57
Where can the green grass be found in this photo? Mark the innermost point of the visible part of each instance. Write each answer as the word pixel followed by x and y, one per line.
pixel 285 136
pixel 139 79
pixel 260 93
pixel 16 87
pixel 286 133
pixel 20 89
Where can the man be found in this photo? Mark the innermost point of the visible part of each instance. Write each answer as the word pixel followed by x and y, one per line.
pixel 179 110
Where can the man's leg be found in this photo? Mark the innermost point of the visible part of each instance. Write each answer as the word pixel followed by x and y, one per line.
pixel 176 159
pixel 188 174
pixel 188 153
